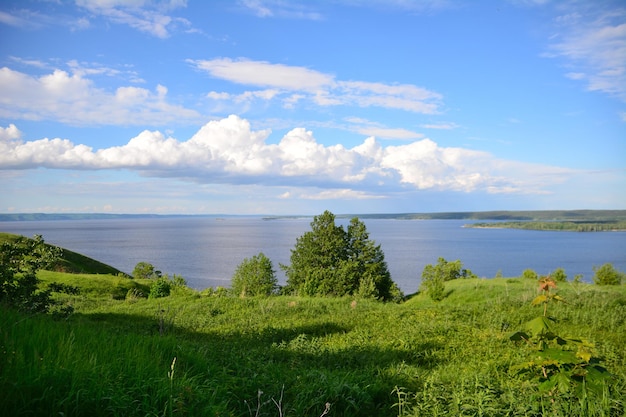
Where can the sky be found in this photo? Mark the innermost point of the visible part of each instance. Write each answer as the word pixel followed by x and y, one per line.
pixel 296 107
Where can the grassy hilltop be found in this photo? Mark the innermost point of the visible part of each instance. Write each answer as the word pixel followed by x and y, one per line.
pixel 207 353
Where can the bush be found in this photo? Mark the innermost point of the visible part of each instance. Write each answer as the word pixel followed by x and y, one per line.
pixel 607 275
pixel 145 270
pixel 559 275
pixel 19 262
pixel 530 274
pixel 254 276
pixel 160 288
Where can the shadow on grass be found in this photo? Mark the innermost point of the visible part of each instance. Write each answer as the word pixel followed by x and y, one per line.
pixel 317 360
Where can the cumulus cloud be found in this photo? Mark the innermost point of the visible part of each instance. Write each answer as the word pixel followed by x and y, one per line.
pixel 593 39
pixel 9 133
pixel 74 99
pixel 294 83
pixel 229 151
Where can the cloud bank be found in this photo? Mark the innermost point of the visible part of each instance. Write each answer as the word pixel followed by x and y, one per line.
pixel 228 151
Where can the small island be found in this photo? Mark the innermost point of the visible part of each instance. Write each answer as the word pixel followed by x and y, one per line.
pixel 567 226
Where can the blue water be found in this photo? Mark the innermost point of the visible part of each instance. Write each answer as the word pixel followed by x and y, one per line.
pixel 206 251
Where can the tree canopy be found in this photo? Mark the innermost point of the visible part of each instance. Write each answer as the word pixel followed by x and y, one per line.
pixel 19 262
pixel 254 276
pixel 330 260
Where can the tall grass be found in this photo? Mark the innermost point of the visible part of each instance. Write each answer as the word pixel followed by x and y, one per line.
pixel 290 356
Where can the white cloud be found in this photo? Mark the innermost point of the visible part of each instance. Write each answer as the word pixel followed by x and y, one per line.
pixel 339 194
pixel 264 74
pixel 280 8
pixel 144 15
pixel 9 133
pixel 74 99
pixel 369 128
pixel 440 126
pixel 593 39
pixel 297 83
pixel 228 151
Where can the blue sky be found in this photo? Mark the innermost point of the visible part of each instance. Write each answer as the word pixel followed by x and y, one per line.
pixel 294 107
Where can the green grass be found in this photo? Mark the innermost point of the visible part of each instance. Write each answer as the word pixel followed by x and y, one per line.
pixel 73 262
pixel 365 358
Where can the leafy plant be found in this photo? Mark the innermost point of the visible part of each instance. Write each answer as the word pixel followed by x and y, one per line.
pixel 530 274
pixel 160 288
pixel 19 262
pixel 145 270
pixel 435 276
pixel 559 275
pixel 560 365
pixel 608 275
pixel 254 276
pixel 329 260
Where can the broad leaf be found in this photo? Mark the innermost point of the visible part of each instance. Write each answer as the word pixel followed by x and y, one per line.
pixel 540 299
pixel 538 325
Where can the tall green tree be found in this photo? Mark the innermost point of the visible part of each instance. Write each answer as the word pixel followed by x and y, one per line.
pixel 254 276
pixel 19 262
pixel 328 260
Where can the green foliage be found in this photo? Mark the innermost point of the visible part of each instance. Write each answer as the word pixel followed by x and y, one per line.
pixel 254 276
pixel 573 226
pixel 561 367
pixel 434 277
pixel 329 260
pixel 530 274
pixel 145 270
pixel 161 287
pixel 608 275
pixel 19 262
pixel 449 357
pixel 559 275
pixel 68 261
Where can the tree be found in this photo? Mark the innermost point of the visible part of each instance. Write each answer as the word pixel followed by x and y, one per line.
pixel 559 275
pixel 254 276
pixel 607 275
pixel 316 258
pixel 328 260
pixel 19 262
pixel 530 274
pixel 370 276
pixel 435 276
pixel 145 270
pixel 433 283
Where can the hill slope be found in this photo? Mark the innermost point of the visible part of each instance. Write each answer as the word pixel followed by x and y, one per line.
pixel 73 262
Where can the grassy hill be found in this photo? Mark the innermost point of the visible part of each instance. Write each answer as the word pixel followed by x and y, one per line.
pixel 199 354
pixel 73 262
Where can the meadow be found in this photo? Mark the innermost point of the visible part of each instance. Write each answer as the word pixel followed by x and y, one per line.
pixel 198 353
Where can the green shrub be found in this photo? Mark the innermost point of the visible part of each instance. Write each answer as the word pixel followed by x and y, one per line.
pixel 19 262
pixel 254 276
pixel 559 275
pixel 530 274
pixel 145 270
pixel 160 288
pixel 607 275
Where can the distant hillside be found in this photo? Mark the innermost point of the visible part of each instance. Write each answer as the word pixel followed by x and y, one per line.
pixel 513 215
pixel 73 262
pixel 539 215
pixel 15 217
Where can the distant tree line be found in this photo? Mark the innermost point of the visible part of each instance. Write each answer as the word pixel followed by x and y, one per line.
pixel 574 226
